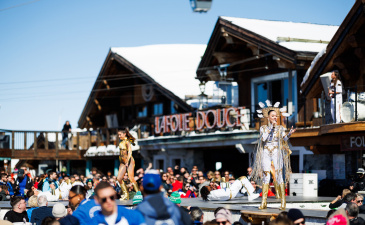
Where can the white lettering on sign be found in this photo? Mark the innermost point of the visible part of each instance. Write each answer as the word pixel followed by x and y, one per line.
pixel 180 122
pixel 357 141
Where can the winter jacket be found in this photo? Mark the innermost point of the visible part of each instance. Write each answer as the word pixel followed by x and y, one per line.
pixel 28 185
pixel 188 194
pixel 86 211
pixel 157 209
pixel 39 214
pixel 3 195
pixel 177 185
pixel 125 216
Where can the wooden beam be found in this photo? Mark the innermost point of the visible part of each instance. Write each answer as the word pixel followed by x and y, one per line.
pixel 46 140
pixel 107 137
pixel 360 52
pixel 56 147
pixel 25 140
pixel 345 61
pixel 227 57
pixel 350 73
pixel 356 40
pixel 13 143
pixel 35 147
pixel 78 143
pixel 89 138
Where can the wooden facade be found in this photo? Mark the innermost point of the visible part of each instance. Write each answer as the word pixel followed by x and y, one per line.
pixel 118 90
pixel 251 56
pixel 345 54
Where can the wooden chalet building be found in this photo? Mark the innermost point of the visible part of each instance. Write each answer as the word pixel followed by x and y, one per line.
pixel 267 59
pixel 134 85
pixel 339 146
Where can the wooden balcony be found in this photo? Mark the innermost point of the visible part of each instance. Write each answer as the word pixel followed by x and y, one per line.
pixel 331 138
pixel 44 145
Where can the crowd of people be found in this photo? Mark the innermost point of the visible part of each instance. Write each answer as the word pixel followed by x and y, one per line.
pixel 91 199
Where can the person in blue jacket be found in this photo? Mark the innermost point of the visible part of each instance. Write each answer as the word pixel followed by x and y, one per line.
pixel 85 208
pixel 111 213
pixel 157 209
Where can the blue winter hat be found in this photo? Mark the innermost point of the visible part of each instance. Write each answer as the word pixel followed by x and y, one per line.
pixel 151 180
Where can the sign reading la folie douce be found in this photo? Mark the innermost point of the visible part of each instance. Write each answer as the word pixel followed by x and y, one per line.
pixel 180 122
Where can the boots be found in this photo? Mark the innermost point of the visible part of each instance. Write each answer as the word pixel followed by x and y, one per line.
pixel 265 191
pixel 125 193
pixel 135 186
pixel 282 194
pixel 277 190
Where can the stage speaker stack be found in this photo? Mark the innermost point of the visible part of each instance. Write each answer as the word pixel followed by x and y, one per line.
pixel 304 184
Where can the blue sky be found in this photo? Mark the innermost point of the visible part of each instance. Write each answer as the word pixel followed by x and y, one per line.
pixel 52 50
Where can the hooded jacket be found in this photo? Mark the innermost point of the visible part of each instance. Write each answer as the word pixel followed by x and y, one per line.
pixel 156 208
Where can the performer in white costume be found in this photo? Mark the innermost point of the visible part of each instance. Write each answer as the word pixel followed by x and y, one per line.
pixel 237 189
pixel 272 149
pixel 335 89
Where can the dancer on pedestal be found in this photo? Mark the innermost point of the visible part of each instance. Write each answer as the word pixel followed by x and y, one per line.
pixel 272 149
pixel 237 189
pixel 126 162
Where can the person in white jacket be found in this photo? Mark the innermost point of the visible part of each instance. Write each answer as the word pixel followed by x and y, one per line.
pixel 52 196
pixel 237 189
pixel 65 187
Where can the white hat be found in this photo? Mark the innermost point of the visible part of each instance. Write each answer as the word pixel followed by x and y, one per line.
pixel 361 170
pixel 59 210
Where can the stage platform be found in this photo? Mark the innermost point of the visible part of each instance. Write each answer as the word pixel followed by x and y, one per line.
pixel 314 208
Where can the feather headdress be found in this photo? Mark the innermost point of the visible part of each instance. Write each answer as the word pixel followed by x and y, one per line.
pixel 264 111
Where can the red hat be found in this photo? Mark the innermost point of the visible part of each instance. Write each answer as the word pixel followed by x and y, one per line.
pixel 337 220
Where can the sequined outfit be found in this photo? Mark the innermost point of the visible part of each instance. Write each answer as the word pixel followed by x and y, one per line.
pixel 271 138
pixel 123 157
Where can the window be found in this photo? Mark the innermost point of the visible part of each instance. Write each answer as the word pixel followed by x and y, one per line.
pixel 142 111
pixel 173 108
pixel 158 109
pixel 274 87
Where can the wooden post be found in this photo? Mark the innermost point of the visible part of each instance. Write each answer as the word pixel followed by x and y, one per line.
pixel 97 137
pixel 322 108
pixel 305 113
pixel 139 133
pixel 89 138
pixel 56 143
pixel 25 140
pixel 46 140
pixel 35 147
pixel 13 143
pixel 78 143
pixel 355 102
pixel 107 137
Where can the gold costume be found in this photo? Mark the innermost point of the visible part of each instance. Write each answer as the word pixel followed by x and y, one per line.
pixel 123 157
pixel 124 161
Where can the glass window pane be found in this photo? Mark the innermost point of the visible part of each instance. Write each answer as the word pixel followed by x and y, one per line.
pixel 173 110
pixel 261 91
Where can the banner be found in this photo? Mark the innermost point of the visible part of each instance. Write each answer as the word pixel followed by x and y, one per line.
pixel 180 122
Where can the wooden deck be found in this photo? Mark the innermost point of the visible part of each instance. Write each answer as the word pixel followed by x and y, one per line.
pixel 43 154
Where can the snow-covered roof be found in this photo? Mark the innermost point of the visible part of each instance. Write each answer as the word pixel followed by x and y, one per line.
pixel 171 65
pixel 274 29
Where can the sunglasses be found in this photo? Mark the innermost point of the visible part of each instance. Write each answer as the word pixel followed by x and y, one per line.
pixel 224 222
pixel 112 198
pixel 360 201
